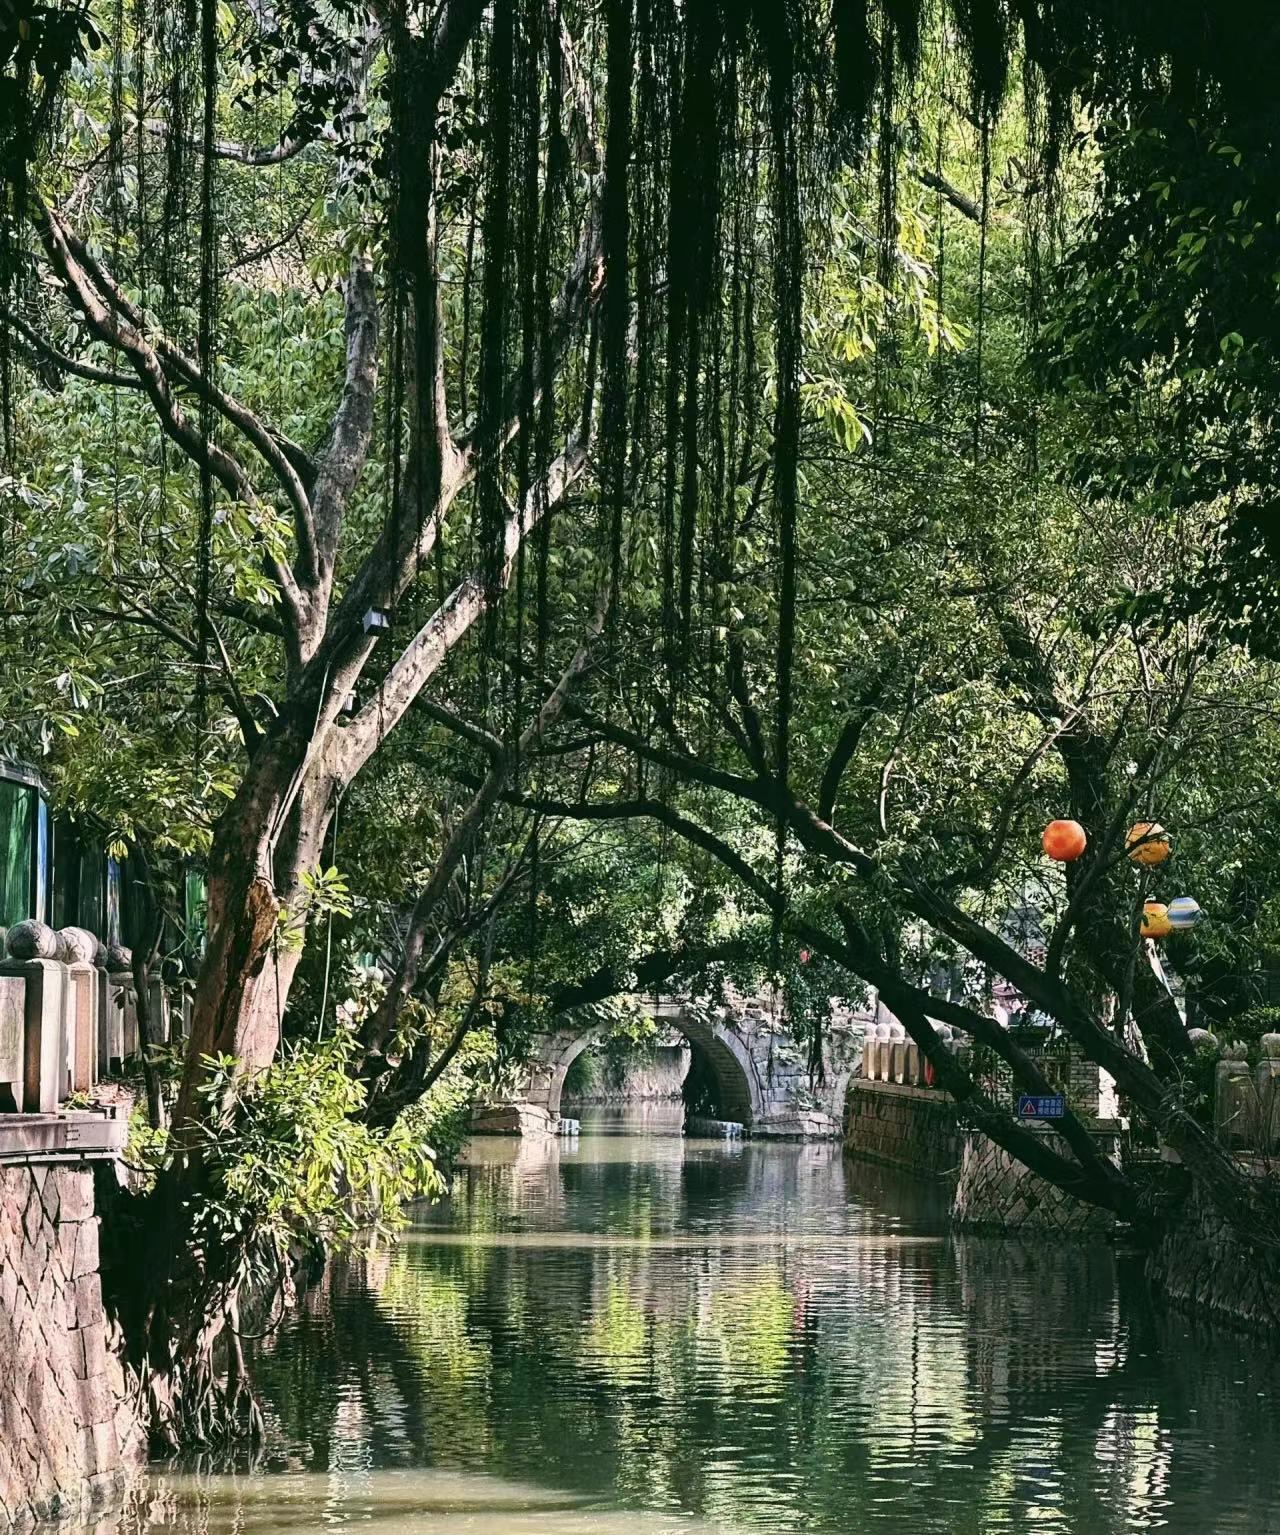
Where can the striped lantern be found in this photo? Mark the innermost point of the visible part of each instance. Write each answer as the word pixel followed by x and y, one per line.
pixel 1184 913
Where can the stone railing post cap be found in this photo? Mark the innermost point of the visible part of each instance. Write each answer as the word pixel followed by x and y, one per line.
pixel 119 958
pixel 76 946
pixel 31 940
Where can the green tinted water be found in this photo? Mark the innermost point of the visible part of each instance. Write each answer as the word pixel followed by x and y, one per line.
pixel 635 1334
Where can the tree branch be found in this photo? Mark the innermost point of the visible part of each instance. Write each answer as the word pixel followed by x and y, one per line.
pixel 426 652
pixel 843 753
pixel 118 331
pixel 897 992
pixel 241 154
pixel 1089 1182
pixel 67 364
pixel 382 1023
pixel 187 371
pixel 959 200
pixel 484 739
pixel 644 974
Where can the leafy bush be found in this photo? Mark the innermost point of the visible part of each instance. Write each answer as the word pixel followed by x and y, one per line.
pixel 293 1162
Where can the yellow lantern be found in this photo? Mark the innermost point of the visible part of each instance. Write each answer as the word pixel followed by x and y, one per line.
pixel 1147 842
pixel 1155 920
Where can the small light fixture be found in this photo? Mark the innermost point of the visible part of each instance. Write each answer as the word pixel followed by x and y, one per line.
pixel 377 621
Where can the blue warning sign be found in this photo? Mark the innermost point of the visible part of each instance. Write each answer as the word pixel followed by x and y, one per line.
pixel 1030 1106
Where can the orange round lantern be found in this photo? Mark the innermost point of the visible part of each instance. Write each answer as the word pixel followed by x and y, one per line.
pixel 1147 842
pixel 1064 841
pixel 1155 920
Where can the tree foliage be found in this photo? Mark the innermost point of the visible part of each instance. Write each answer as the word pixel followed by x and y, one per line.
pixel 565 496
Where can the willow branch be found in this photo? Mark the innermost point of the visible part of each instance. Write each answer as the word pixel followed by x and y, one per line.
pixel 583 284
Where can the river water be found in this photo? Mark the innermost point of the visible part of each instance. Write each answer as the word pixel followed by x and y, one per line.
pixel 635 1334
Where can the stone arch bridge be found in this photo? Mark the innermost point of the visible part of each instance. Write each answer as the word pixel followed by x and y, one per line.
pixel 760 1071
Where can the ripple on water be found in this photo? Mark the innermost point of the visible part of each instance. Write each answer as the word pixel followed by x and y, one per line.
pixel 632 1335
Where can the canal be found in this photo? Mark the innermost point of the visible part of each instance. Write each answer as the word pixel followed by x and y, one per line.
pixel 635 1334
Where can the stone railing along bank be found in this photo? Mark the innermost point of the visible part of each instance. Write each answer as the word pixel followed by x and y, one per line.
pixel 894 1116
pixel 69 1015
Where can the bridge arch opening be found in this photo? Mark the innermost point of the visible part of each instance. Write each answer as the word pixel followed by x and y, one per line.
pixel 716 1086
pixel 726 1069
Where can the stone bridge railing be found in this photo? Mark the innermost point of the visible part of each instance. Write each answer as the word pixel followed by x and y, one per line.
pixel 68 1018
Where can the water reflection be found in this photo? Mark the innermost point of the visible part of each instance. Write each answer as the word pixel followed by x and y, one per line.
pixel 642 1334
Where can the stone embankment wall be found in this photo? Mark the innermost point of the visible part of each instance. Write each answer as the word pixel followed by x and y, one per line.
pixel 67 1435
pixel 1201 1265
pixel 997 1194
pixel 913 1128
pixel 916 1129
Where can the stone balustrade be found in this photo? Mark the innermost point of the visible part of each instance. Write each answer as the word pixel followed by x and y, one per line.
pixel 1246 1099
pixel 69 1015
pixel 889 1056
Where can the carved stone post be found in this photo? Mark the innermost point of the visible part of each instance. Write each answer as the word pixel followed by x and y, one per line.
pixel 13 1007
pixel 1268 1074
pixel 898 1054
pixel 1235 1102
pixel 32 947
pixel 124 1004
pixel 158 998
pixel 912 1072
pixel 76 949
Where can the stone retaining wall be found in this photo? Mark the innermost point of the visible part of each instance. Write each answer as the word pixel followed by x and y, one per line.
pixel 1201 1266
pixel 67 1439
pixel 916 1129
pixel 997 1194
pixel 913 1128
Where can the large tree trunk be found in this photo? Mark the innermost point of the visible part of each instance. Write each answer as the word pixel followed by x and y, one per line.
pixel 256 925
pixel 178 1294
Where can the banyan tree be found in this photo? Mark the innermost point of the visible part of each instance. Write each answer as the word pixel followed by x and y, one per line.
pixel 570 246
